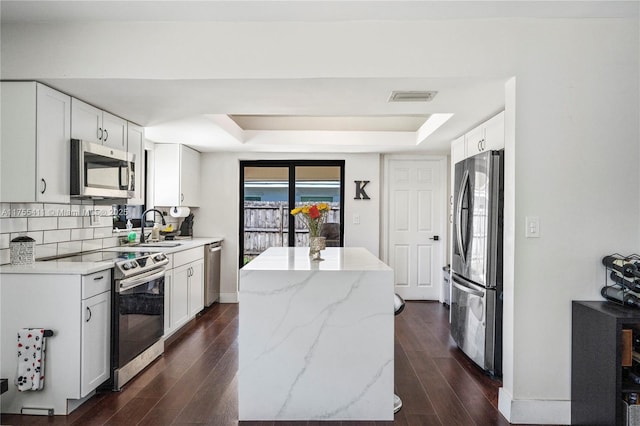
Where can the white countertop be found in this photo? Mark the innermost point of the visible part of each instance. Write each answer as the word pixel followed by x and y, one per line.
pixel 184 245
pixel 297 259
pixel 62 267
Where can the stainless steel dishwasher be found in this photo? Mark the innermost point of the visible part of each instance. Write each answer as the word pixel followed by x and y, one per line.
pixel 212 254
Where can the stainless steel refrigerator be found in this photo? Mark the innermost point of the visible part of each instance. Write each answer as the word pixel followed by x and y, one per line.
pixel 476 266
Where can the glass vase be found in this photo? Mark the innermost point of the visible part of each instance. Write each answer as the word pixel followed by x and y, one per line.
pixel 316 244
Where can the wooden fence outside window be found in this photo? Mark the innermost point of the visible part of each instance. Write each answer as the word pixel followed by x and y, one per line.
pixel 266 224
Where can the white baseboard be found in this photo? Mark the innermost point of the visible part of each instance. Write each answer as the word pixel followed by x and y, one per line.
pixel 228 297
pixel 533 411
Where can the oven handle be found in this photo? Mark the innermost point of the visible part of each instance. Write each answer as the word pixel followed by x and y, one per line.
pixel 129 283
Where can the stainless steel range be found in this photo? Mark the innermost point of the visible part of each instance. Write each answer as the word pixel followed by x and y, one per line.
pixel 137 315
pixel 137 308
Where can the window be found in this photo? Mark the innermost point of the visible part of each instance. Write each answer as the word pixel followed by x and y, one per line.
pixel 269 190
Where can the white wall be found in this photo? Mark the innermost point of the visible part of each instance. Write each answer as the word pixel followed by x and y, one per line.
pixel 574 146
pixel 219 210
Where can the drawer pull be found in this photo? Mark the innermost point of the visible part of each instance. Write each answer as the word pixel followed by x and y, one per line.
pixel 98 278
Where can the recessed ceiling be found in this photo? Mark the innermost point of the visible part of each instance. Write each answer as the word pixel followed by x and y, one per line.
pixel 404 123
pixel 194 106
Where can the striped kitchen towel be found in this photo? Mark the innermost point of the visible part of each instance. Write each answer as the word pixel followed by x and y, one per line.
pixel 31 345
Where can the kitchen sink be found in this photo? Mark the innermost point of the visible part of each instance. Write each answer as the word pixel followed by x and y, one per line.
pixel 160 244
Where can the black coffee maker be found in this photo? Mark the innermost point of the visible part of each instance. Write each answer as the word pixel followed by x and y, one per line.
pixel 186 229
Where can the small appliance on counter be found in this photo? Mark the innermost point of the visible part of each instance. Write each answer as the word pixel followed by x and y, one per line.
pixel 186 229
pixel 22 250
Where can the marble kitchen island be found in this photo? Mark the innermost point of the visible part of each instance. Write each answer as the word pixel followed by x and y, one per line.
pixel 316 338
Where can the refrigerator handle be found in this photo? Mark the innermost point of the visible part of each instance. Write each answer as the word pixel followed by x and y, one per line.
pixel 467 286
pixel 458 218
pixel 468 290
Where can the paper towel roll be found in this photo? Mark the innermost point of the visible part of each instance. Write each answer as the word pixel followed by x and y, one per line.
pixel 179 211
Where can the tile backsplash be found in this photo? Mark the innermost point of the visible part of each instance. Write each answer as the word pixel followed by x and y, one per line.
pixel 57 228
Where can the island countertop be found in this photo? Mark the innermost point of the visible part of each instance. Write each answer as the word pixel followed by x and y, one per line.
pixel 334 259
pixel 316 338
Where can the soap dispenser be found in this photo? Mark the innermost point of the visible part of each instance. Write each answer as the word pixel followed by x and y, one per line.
pixel 131 234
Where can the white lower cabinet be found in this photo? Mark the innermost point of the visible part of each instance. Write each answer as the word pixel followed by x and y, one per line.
pixel 78 310
pixel 184 289
pixel 196 288
pixel 180 297
pixel 95 343
pixel 94 352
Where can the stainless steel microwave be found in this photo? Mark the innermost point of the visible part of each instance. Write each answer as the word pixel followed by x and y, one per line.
pixel 98 171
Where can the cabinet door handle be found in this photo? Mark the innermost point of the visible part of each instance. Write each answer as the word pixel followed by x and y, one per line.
pixel 44 186
pixel 181 197
pixel 99 133
pixel 106 135
pixel 480 145
pixel 89 311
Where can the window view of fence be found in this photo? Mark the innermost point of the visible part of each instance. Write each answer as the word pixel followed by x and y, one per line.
pixel 270 189
pixel 266 225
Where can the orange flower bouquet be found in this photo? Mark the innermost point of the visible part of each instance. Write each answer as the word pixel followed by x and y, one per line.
pixel 314 217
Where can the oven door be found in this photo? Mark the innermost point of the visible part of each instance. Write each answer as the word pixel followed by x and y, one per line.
pixel 138 315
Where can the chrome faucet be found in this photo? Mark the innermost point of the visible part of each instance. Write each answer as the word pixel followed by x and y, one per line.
pixel 144 213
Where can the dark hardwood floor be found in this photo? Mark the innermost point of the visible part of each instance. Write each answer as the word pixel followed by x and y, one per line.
pixel 194 383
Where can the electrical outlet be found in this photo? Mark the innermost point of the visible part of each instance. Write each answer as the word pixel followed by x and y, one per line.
pixel 356 218
pixel 532 227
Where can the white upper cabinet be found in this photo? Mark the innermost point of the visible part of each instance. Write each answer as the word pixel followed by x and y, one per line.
pixel 92 124
pixel 494 132
pixel 177 176
pixel 114 130
pixel 487 136
pixel 135 145
pixel 86 122
pixel 35 149
pixel 189 177
pixel 475 141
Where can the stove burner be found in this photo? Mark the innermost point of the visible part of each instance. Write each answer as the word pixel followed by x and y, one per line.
pixel 127 263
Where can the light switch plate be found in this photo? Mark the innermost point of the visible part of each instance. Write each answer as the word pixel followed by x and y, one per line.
pixel 532 227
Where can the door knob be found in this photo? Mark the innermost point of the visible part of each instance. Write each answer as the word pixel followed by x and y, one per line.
pixel 435 238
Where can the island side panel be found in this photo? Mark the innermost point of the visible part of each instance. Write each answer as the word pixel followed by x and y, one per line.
pixel 53 302
pixel 316 345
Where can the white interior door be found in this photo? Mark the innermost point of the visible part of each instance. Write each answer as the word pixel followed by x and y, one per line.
pixel 416 226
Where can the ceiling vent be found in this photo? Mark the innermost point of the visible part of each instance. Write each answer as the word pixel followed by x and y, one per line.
pixel 412 95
